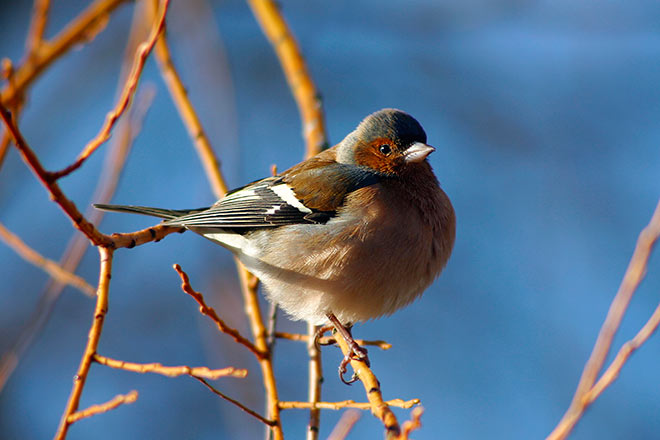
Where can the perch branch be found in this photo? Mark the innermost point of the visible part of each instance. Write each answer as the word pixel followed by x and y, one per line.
pixel 379 406
pixel 330 340
pixel 398 403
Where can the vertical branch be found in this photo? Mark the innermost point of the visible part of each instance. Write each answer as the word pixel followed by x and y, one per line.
pixel 37 26
pixel 187 112
pixel 315 381
pixel 249 288
pixel 92 343
pixel 297 75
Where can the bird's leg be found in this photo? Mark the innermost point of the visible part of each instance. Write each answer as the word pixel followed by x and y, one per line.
pixel 356 352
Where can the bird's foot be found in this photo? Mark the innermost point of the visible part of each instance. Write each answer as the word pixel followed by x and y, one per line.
pixel 355 353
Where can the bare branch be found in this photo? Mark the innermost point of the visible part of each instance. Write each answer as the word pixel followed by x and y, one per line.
pixel 49 266
pixel 120 399
pixel 633 276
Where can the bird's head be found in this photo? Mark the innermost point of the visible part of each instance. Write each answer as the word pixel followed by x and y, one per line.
pixel 389 141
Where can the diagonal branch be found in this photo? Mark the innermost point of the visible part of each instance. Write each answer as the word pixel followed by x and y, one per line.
pixel 631 280
pixel 121 399
pixel 51 267
pixel 125 98
pixel 210 312
pixel 92 342
pixel 297 74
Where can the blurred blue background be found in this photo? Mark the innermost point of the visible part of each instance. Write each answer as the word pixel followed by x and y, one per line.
pixel 546 119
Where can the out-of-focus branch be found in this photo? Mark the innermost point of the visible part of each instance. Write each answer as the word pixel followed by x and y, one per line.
pixel 586 390
pixel 181 370
pixel 187 112
pixel 37 26
pixel 82 28
pixel 120 399
pixel 398 403
pixel 297 74
pixel 126 95
pixel 414 423
pixel 92 343
pixel 379 406
pixel 345 424
pixel 49 266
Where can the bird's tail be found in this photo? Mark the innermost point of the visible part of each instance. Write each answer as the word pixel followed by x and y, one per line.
pixel 168 214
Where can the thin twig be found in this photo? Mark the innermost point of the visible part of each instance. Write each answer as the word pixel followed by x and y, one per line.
pixel 414 423
pixel 345 424
pixel 120 399
pixel 125 98
pixel 612 372
pixel 631 280
pixel 92 343
pixel 82 28
pixel 49 266
pixel 330 340
pixel 237 403
pixel 297 74
pixel 115 160
pixel 210 312
pixel 38 22
pixel 181 370
pixel 398 403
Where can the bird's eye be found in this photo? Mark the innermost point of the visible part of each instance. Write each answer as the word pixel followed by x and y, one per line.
pixel 385 149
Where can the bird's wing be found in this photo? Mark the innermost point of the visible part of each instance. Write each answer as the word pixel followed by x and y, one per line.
pixel 308 193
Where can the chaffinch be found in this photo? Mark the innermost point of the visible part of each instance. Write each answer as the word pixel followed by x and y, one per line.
pixel 353 233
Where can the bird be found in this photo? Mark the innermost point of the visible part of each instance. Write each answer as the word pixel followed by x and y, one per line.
pixel 351 234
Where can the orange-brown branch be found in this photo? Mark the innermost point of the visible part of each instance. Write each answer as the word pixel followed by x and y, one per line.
pixel 379 406
pixel 120 399
pixel 125 97
pixel 181 370
pixel 297 74
pixel 51 267
pixel 92 343
pixel 210 312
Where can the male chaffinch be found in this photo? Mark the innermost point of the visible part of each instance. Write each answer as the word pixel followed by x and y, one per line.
pixel 353 233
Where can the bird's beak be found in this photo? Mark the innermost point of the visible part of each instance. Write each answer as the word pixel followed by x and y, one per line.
pixel 417 152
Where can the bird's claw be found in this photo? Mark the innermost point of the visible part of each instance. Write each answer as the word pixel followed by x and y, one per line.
pixel 357 353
